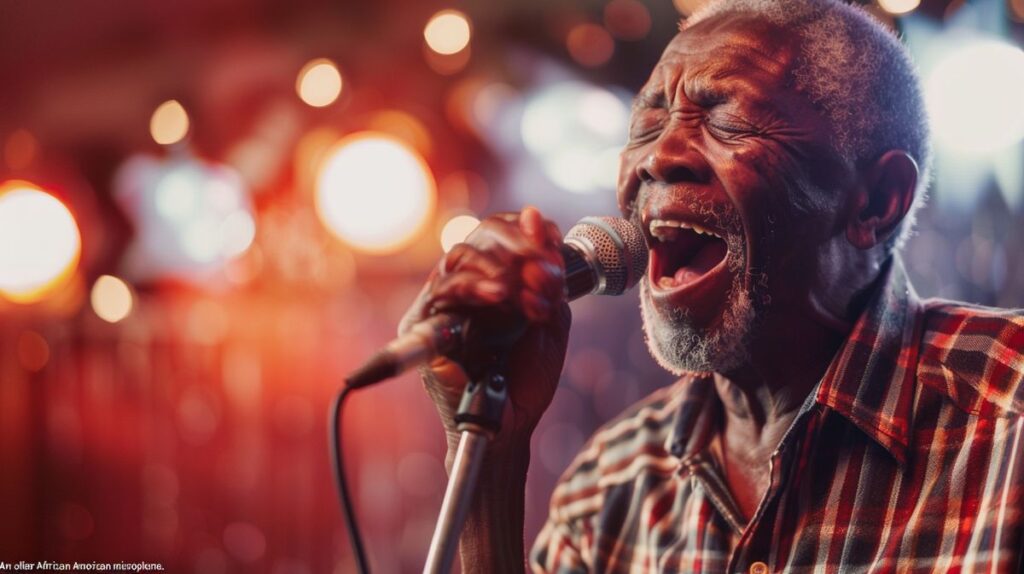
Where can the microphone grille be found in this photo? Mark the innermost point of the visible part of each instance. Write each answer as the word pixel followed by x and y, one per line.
pixel 616 248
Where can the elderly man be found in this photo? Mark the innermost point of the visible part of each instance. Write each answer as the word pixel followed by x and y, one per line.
pixel 826 419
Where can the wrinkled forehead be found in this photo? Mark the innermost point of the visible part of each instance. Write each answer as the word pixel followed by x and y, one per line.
pixel 733 44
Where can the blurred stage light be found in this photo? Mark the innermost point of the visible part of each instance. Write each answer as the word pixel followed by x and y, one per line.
pixel 40 243
pixel 569 128
pixel 207 208
pixel 448 32
pixel 169 123
pixel 974 97
pixel 687 7
pixel 627 19
pixel 590 45
pixel 374 192
pixel 456 230
pixel 111 298
pixel 192 217
pixel 319 83
pixel 897 7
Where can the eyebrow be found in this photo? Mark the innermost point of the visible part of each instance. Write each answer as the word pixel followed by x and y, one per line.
pixel 649 98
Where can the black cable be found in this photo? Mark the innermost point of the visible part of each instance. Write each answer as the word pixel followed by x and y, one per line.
pixel 337 463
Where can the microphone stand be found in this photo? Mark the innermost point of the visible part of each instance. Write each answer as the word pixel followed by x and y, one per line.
pixel 479 420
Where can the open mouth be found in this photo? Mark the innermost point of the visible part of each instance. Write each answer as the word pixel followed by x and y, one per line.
pixel 683 252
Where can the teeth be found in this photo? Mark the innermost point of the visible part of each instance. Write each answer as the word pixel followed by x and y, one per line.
pixel 666 229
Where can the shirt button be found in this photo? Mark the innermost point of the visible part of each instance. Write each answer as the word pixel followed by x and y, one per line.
pixel 758 568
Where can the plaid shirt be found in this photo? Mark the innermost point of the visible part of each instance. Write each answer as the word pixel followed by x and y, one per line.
pixel 908 457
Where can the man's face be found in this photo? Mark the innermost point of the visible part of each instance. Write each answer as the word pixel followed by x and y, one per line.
pixel 724 172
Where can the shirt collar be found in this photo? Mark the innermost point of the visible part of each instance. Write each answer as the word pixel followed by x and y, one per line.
pixel 871 379
pixel 869 382
pixel 694 419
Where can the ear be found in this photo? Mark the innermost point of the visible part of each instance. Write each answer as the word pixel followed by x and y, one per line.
pixel 881 199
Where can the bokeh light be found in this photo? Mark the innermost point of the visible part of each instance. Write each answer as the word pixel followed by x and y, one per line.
pixel 208 209
pixel 575 131
pixel 687 7
pixel 590 45
pixel 40 243
pixel 192 217
pixel 111 298
pixel 627 19
pixel 319 83
pixel 456 230
pixel 447 32
pixel 899 6
pixel 169 123
pixel 974 97
pixel 374 192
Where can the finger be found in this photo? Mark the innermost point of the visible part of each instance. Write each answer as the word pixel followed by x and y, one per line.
pixel 496 233
pixel 466 289
pixel 543 277
pixel 532 224
pixel 465 257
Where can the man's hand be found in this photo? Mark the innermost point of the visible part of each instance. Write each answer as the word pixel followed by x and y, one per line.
pixel 511 262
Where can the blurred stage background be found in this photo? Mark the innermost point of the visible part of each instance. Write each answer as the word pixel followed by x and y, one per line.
pixel 212 210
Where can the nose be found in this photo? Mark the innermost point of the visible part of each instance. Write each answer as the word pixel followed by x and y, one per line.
pixel 673 159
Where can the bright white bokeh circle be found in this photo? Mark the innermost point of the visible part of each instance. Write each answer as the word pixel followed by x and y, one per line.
pixel 448 32
pixel 976 98
pixel 319 83
pixel 169 123
pixel 40 243
pixel 897 7
pixel 456 230
pixel 111 298
pixel 374 192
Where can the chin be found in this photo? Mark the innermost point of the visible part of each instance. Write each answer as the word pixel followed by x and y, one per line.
pixel 681 346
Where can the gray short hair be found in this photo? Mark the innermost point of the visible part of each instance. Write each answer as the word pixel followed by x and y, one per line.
pixel 858 73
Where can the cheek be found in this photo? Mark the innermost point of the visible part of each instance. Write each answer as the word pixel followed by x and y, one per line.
pixel 629 182
pixel 774 186
pixel 752 189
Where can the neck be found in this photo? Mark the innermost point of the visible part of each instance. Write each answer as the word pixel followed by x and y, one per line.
pixel 762 397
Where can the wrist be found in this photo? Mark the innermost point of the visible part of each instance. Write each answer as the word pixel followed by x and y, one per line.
pixel 492 539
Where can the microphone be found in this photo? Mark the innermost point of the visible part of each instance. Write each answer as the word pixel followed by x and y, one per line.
pixel 602 255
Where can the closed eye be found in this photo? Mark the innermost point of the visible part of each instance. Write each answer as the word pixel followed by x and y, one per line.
pixel 728 127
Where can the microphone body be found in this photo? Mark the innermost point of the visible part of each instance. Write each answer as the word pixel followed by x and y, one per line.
pixel 602 256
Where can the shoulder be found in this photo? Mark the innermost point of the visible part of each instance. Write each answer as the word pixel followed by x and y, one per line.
pixel 619 451
pixel 974 355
